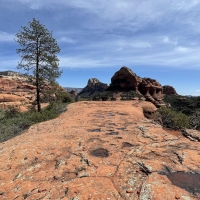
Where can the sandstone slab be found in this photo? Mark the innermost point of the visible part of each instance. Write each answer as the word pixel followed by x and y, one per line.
pixel 75 156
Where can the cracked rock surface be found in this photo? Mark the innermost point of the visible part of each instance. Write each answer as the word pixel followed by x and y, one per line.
pixel 100 150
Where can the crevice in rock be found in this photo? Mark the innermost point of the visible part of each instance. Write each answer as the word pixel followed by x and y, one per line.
pixel 190 136
pixel 144 169
pixel 180 158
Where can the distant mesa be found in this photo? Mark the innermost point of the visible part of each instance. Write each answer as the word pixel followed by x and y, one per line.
pixel 169 90
pixel 94 86
pixel 94 83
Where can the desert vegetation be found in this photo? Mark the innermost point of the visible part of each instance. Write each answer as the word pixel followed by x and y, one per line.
pixel 13 122
pixel 180 112
pixel 38 51
pixel 111 95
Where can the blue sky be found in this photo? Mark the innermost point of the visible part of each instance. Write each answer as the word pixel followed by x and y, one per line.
pixel 156 39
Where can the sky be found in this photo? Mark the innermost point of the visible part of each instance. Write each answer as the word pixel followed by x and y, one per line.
pixel 156 39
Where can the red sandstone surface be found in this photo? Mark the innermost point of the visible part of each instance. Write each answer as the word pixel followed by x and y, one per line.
pixel 97 151
pixel 16 92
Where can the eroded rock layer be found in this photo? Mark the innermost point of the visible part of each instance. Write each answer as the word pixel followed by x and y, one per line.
pixel 126 80
pixel 18 90
pixel 100 150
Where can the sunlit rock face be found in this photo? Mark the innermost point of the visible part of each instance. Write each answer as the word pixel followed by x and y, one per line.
pixel 18 90
pixel 125 80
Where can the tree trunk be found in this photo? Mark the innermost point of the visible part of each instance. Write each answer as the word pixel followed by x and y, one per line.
pixel 38 90
pixel 37 82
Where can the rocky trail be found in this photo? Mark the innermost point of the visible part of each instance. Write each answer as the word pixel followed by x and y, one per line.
pixel 100 150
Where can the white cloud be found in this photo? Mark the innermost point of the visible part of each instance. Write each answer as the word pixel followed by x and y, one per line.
pixel 6 37
pixel 123 32
pixel 115 9
pixel 166 40
pixel 67 40
pixel 81 62
pixel 183 49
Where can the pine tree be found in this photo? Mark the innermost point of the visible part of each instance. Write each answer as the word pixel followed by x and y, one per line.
pixel 38 55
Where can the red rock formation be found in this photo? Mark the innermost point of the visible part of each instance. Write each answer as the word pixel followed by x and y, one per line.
pixel 125 80
pixel 100 150
pixel 17 90
pixel 168 90
pixel 93 86
pixel 152 91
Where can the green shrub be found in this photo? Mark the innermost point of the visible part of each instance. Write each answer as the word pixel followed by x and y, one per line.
pixel 172 119
pixel 13 123
pixel 184 104
pixel 180 120
pixel 64 97
pixel 194 120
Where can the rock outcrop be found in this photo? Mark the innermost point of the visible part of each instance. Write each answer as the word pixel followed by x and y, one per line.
pixel 18 90
pixel 152 91
pixel 93 86
pixel 73 93
pixel 11 73
pixel 193 135
pixel 125 80
pixel 100 150
pixel 169 90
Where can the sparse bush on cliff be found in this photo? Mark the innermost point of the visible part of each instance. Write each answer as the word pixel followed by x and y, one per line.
pixel 130 95
pixel 185 104
pixel 180 120
pixel 110 95
pixel 186 110
pixel 172 119
pixel 194 120
pixel 104 96
pixel 64 97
